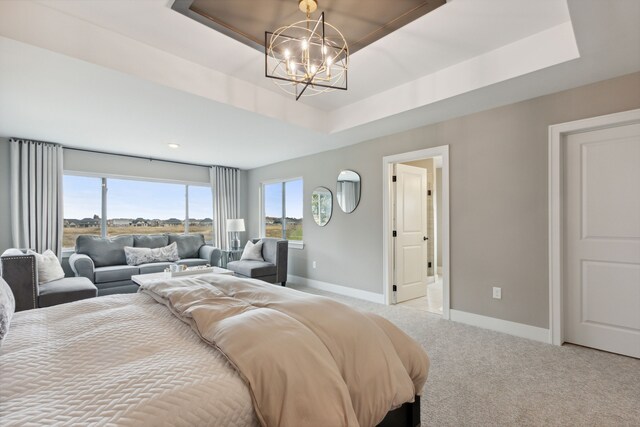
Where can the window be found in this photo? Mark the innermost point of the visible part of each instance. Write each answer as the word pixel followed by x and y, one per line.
pixel 82 198
pixel 134 207
pixel 282 207
pixel 200 211
pixel 143 207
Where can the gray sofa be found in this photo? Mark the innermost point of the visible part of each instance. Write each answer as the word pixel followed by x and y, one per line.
pixel 20 271
pixel 274 267
pixel 102 260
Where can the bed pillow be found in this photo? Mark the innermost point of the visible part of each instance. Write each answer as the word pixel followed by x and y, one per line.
pixel 252 251
pixel 48 264
pixel 137 256
pixel 7 308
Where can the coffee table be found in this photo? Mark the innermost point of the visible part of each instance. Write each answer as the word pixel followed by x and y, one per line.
pixel 140 279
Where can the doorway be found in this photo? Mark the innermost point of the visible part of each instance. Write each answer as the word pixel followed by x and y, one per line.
pixel 416 229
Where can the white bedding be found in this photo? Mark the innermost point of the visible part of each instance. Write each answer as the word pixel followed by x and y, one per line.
pixel 71 364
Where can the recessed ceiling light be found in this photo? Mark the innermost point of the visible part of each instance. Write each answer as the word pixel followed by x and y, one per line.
pixel 172 145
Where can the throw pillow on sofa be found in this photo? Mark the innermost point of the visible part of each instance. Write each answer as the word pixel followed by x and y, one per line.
pixel 252 251
pixel 49 268
pixel 137 256
pixel 7 308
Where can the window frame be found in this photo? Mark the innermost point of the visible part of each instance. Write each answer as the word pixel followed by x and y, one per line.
pixel 294 244
pixel 105 188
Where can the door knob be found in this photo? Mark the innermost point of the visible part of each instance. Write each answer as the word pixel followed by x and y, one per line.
pixel 425 238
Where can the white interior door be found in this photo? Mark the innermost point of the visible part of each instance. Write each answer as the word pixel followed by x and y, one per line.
pixel 411 229
pixel 602 240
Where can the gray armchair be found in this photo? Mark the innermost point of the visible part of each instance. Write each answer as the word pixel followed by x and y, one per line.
pixel 20 271
pixel 274 267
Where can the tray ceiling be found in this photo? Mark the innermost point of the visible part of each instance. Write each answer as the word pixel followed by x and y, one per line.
pixel 361 22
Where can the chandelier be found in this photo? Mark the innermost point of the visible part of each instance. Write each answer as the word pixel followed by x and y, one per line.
pixel 307 57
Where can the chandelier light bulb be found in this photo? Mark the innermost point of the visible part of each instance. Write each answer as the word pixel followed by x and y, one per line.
pixel 305 44
pixel 287 54
pixel 292 66
pixel 314 69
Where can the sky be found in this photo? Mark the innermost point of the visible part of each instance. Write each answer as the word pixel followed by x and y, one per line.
pixel 134 199
pixel 273 199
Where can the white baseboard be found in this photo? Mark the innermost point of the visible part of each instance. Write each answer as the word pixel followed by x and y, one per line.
pixel 439 270
pixel 337 289
pixel 504 326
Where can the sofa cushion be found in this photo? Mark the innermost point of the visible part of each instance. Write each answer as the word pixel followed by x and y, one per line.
pixel 104 252
pixel 7 308
pixel 188 244
pixel 65 290
pixel 190 262
pixel 150 240
pixel 137 256
pixel 114 273
pixel 252 268
pixel 252 251
pixel 154 267
pixel 49 268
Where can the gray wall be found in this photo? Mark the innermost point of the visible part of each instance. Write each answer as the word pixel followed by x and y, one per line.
pixel 498 189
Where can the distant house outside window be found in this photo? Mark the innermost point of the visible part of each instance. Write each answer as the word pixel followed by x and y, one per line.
pixel 134 207
pixel 282 209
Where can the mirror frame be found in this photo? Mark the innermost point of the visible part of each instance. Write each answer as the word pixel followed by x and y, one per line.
pixel 359 191
pixel 331 206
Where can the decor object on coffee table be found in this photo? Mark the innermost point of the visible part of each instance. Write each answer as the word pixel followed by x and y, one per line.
pixel 274 267
pixel 20 271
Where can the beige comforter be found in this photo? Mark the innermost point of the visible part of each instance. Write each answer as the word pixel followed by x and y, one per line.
pixel 308 360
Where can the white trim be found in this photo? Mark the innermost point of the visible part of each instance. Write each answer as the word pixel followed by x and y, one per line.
pixel 337 289
pixel 557 137
pixel 135 178
pixel 387 226
pixel 296 244
pixel 505 326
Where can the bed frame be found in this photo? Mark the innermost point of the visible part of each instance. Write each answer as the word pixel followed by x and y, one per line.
pixel 408 415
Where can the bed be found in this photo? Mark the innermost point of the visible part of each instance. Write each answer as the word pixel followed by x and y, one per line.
pixel 214 350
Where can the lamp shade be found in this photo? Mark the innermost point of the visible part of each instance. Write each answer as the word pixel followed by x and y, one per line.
pixel 235 224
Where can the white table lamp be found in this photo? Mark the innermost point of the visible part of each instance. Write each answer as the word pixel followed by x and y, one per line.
pixel 235 226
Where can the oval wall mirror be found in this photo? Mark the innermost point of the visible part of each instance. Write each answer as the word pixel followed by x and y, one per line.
pixel 348 190
pixel 321 205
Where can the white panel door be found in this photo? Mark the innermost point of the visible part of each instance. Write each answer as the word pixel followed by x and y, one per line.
pixel 602 240
pixel 411 228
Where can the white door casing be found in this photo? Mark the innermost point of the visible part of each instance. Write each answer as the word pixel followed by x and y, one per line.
pixel 602 239
pixel 388 226
pixel 411 228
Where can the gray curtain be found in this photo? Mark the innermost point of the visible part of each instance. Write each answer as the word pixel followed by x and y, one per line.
pixel 36 195
pixel 224 184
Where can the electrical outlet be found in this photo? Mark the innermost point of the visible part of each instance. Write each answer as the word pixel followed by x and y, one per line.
pixel 314 264
pixel 497 293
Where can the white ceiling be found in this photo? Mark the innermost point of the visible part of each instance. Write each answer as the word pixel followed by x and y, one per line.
pixel 128 77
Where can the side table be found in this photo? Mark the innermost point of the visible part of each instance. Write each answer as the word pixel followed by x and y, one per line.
pixel 229 255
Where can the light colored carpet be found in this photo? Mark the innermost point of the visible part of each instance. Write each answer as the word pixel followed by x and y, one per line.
pixel 484 378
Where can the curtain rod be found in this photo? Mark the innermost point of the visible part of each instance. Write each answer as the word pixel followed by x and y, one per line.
pixel 151 159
